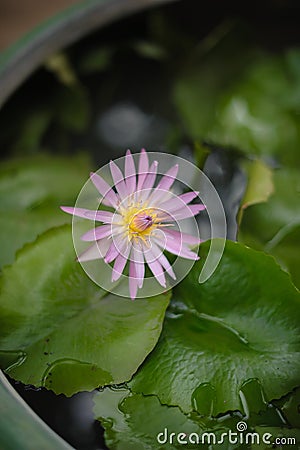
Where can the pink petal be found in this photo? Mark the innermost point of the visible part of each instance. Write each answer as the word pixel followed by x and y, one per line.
pixel 97 233
pixel 178 202
pixel 112 253
pixel 119 265
pixel 138 259
pixel 155 268
pixel 118 245
pixel 188 211
pixel 148 184
pixel 80 212
pixel 183 237
pixel 109 195
pixel 95 251
pixel 156 251
pixel 130 173
pixel 177 248
pixel 133 284
pixel 165 183
pixel 151 176
pixel 99 216
pixel 118 180
pixel 143 168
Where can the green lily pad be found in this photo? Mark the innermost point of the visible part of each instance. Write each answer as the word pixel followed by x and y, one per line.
pixel 31 191
pixel 274 437
pixel 290 407
pixel 61 331
pixel 143 423
pixel 241 324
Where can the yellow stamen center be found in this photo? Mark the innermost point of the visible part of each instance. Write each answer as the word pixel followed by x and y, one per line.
pixel 140 221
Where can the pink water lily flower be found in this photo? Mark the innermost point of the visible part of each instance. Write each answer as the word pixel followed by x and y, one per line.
pixel 141 224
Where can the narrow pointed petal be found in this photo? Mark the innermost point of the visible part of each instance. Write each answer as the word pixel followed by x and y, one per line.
pixel 79 212
pixel 118 245
pixel 105 190
pixel 104 216
pixel 148 182
pixel 137 257
pixel 177 248
pixel 112 253
pixel 99 216
pixel 185 212
pixel 184 237
pixel 95 251
pixel 120 263
pixel 157 252
pixel 97 233
pixel 178 202
pixel 165 184
pixel 133 284
pixel 155 268
pixel 143 168
pixel 151 176
pixel 118 180
pixel 188 211
pixel 130 172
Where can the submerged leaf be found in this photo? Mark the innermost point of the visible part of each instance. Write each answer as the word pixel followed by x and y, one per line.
pixel 61 331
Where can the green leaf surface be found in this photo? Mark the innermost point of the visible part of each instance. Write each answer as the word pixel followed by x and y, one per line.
pixel 283 208
pixel 290 408
pixel 31 191
pixel 259 186
pixel 61 331
pixel 285 248
pixel 277 438
pixel 142 423
pixel 20 427
pixel 241 324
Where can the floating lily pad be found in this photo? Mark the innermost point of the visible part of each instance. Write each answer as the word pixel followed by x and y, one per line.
pixel 241 324
pixel 142 423
pixel 31 191
pixel 61 331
